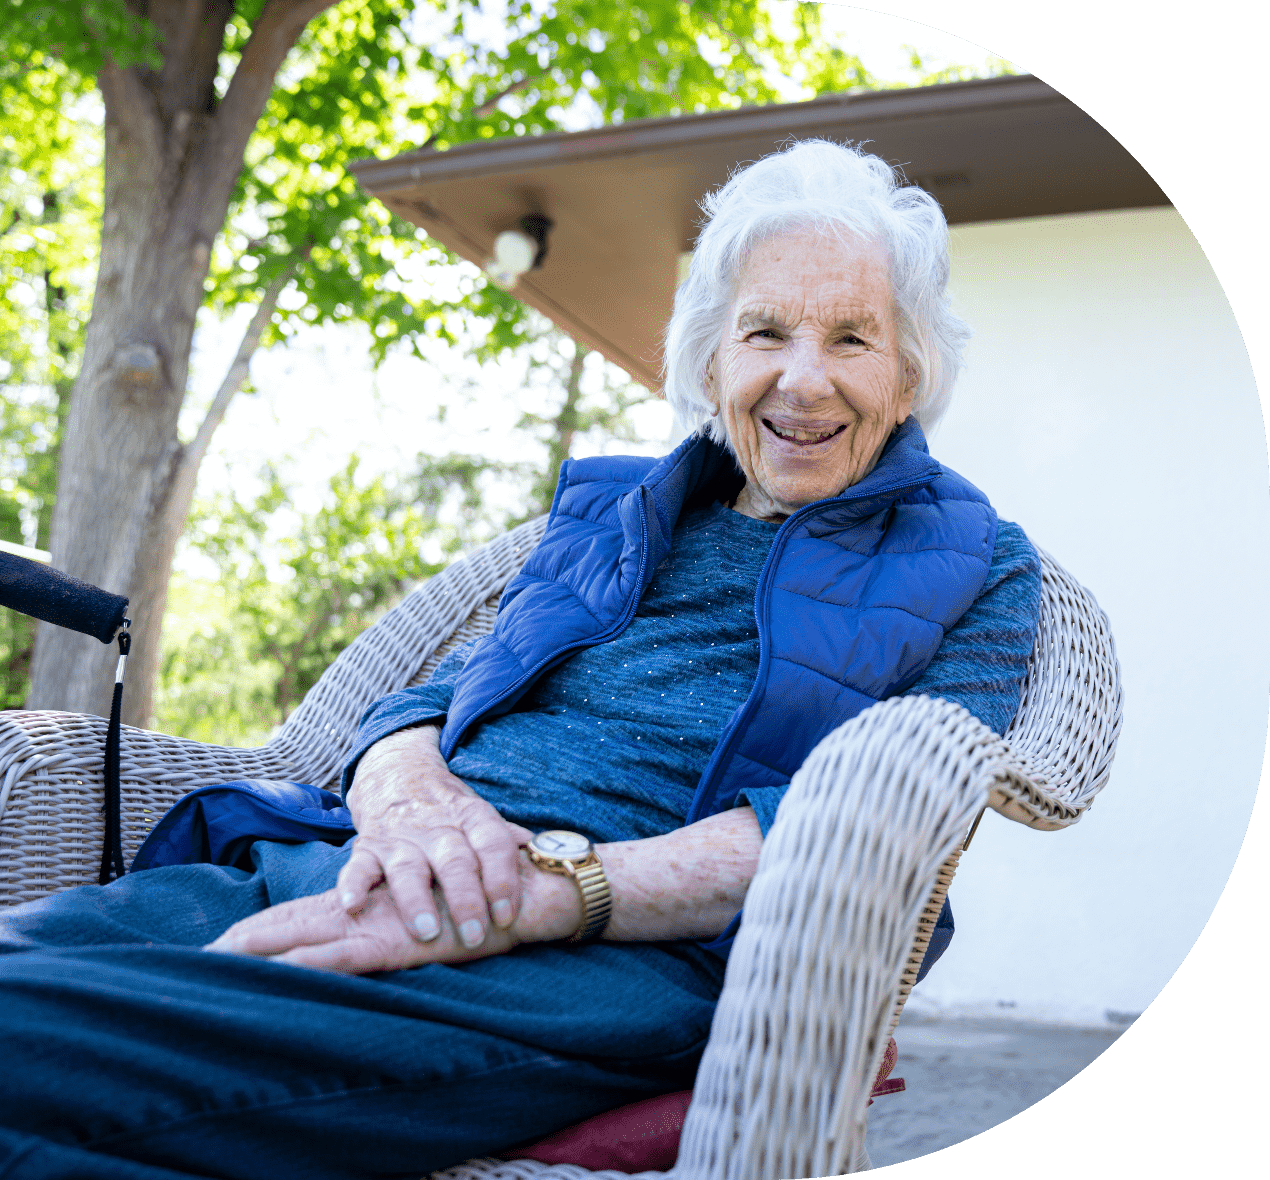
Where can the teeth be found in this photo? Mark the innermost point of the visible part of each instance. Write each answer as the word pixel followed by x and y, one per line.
pixel 802 435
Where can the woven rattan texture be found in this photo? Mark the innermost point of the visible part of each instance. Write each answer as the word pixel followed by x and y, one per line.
pixel 830 920
pixel 479 622
pixel 849 881
pixel 495 1169
pixel 1063 737
pixel 51 763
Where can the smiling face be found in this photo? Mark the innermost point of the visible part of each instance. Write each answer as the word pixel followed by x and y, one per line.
pixel 808 379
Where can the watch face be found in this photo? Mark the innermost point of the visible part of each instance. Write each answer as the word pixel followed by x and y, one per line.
pixel 561 845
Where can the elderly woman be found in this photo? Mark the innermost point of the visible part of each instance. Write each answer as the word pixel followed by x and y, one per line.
pixel 556 833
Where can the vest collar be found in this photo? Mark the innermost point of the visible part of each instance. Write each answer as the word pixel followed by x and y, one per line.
pixel 699 471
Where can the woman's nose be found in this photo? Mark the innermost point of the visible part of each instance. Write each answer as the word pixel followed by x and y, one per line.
pixel 805 374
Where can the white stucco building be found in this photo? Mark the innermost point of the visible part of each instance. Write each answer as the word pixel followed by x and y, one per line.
pixel 1110 408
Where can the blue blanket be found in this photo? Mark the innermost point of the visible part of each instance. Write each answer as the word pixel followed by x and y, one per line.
pixel 218 825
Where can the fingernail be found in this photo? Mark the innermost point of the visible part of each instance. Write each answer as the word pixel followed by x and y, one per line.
pixel 427 926
pixel 471 933
pixel 346 900
pixel 501 911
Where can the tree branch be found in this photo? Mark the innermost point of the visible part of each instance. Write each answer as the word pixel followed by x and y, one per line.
pixel 237 372
pixel 490 104
pixel 276 30
pixel 173 509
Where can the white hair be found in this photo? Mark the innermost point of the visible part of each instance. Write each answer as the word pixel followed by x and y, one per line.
pixel 833 188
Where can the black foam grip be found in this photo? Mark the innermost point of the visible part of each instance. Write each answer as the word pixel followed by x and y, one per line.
pixel 48 594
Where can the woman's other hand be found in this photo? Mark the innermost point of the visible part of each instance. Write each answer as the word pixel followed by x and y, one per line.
pixel 421 832
pixel 320 932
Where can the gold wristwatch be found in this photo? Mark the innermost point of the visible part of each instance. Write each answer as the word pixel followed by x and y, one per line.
pixel 574 855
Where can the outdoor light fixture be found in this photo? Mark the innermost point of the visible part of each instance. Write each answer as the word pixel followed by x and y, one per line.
pixel 519 250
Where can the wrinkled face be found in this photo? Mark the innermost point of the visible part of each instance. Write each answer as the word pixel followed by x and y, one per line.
pixel 808 379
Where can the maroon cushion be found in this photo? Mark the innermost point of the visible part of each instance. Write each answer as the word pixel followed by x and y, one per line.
pixel 644 1136
pixel 641 1137
pixel 884 1083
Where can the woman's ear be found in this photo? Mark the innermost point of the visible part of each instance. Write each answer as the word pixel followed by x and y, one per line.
pixel 708 388
pixel 912 378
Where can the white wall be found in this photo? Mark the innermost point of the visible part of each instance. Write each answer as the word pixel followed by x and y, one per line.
pixel 1110 409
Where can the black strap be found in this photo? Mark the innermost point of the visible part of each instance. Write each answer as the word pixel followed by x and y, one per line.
pixel 112 840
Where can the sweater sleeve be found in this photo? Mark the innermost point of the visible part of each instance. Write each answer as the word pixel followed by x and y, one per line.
pixel 411 706
pixel 983 658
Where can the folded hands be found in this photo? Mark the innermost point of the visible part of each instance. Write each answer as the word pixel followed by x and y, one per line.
pixel 436 875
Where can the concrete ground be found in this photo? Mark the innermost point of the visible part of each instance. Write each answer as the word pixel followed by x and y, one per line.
pixel 965 1076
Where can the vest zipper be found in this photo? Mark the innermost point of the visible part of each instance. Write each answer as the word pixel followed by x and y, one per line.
pixel 707 788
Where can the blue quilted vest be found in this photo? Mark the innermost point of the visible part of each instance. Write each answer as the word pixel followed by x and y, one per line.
pixel 852 603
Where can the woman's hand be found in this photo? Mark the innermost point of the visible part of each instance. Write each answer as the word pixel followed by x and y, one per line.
pixel 686 884
pixel 320 932
pixel 423 832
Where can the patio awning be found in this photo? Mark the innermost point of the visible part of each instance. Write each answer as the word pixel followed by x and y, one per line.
pixel 623 198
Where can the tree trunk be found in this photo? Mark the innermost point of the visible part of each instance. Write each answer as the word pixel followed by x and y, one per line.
pixel 564 427
pixel 173 156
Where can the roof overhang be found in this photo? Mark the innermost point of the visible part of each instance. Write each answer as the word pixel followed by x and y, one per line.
pixel 624 198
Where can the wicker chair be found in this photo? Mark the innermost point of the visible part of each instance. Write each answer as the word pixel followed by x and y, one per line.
pixel 849 884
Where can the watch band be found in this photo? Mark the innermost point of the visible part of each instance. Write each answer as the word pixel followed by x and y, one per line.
pixel 597 901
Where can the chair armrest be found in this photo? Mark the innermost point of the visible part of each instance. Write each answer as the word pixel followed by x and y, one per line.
pixel 52 785
pixel 1063 737
pixel 490 1167
pixel 825 948
pixel 830 919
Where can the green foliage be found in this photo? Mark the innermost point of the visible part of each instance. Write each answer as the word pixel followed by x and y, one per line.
pixel 17 644
pixel 587 397
pixel 28 484
pixel 80 34
pixel 50 216
pixel 244 649
pixel 995 67
pixel 294 589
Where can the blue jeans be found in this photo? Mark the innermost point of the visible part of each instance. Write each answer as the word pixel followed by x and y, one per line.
pixel 128 1052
